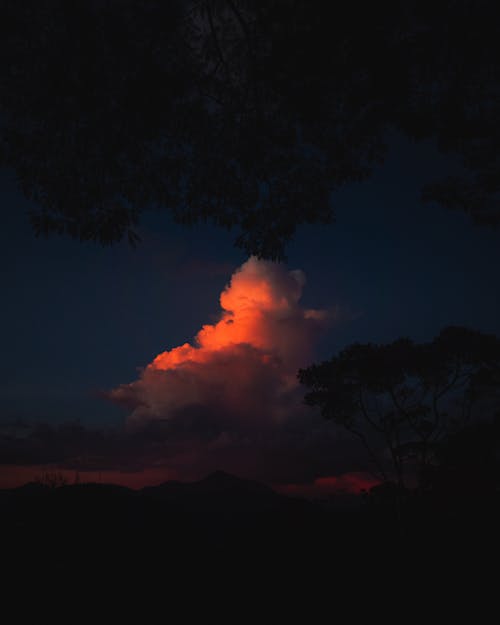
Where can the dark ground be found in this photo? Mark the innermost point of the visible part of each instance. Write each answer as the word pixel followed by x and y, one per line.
pixel 222 521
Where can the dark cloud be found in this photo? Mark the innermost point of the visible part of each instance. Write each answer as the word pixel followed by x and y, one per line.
pixel 230 401
pixel 189 447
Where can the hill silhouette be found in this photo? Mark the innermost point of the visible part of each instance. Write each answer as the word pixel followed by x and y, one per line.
pixel 222 485
pixel 234 522
pixel 221 516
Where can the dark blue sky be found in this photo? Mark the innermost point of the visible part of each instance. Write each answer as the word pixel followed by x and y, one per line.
pixel 77 319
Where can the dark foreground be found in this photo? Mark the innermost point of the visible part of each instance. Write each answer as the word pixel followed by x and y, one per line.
pixel 222 521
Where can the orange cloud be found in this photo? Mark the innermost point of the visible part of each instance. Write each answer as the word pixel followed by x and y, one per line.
pixel 230 400
pixel 240 371
pixel 260 307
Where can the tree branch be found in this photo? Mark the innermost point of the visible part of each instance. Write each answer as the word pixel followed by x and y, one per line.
pixel 215 37
pixel 371 453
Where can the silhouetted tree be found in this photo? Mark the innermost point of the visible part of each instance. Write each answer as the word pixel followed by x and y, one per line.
pixel 52 479
pixel 404 399
pixel 467 461
pixel 243 113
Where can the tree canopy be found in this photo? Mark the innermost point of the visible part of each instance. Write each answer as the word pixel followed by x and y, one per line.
pixel 403 399
pixel 242 113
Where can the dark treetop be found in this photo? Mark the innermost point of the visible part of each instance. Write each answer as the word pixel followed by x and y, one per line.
pixel 245 114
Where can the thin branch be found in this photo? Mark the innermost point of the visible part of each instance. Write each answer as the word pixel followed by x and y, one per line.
pixel 402 410
pixel 214 35
pixel 371 453
pixel 243 24
pixel 453 381
pixel 366 415
pixel 251 52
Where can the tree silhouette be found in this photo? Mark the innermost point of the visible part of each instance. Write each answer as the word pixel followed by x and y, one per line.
pixel 405 399
pixel 51 479
pixel 467 462
pixel 242 113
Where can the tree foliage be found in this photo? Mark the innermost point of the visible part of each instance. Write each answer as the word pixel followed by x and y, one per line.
pixel 238 112
pixel 403 399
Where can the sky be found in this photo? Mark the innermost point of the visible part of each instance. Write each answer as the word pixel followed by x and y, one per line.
pixel 81 327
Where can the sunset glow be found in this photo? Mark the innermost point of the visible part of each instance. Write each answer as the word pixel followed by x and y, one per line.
pixel 243 366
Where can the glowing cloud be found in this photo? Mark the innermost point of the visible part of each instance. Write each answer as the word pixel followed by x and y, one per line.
pixel 230 400
pixel 240 373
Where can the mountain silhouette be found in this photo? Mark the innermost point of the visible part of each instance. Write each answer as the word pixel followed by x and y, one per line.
pixel 219 484
pixel 221 518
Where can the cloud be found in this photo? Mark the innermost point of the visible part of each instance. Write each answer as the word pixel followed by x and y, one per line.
pixel 230 400
pixel 240 373
pixel 296 452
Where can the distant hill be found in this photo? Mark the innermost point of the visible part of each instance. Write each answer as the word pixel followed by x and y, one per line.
pixel 220 484
pixel 212 511
pixel 114 530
